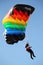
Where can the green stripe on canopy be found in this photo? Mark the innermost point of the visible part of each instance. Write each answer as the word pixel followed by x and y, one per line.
pixel 10 25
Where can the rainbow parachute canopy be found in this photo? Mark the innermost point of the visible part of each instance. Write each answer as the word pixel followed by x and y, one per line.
pixel 15 22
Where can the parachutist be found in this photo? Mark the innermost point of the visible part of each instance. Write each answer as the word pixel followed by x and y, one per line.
pixel 28 49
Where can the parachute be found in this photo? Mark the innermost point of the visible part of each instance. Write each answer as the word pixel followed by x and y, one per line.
pixel 15 22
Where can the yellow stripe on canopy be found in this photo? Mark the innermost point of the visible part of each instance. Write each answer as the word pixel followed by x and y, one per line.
pixel 10 19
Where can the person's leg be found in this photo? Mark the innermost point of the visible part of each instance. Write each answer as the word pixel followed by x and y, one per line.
pixel 31 51
pixel 31 55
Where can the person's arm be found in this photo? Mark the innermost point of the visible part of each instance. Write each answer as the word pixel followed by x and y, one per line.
pixel 30 46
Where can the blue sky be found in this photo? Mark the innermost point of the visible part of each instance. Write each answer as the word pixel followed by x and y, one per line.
pixel 16 54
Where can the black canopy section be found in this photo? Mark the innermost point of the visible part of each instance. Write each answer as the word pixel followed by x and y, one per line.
pixel 25 8
pixel 13 38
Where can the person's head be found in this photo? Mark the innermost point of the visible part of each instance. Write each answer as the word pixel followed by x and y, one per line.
pixel 26 45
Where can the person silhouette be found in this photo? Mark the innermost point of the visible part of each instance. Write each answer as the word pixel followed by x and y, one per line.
pixel 28 49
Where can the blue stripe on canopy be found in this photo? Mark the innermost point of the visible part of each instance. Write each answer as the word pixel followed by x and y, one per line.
pixel 14 31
